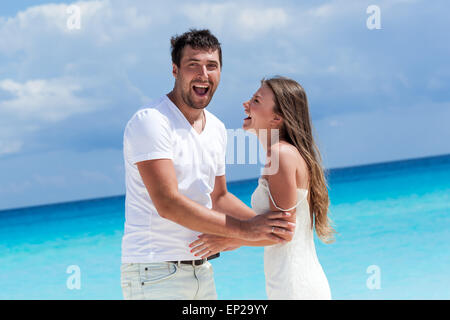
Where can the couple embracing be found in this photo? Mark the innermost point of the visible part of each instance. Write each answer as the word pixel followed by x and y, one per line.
pixel 178 211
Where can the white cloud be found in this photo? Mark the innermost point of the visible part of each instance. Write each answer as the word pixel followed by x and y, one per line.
pixel 10 147
pixel 51 73
pixel 323 11
pixel 242 20
pixel 36 104
pixel 258 21
pixel 45 100
pixel 102 21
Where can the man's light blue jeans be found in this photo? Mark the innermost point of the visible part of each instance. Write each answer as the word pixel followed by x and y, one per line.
pixel 167 281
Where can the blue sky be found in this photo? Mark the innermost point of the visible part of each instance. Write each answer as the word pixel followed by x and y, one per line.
pixel 66 95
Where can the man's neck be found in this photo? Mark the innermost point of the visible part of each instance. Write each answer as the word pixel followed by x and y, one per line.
pixel 192 115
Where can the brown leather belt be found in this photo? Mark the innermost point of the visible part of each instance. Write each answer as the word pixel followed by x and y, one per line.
pixel 197 262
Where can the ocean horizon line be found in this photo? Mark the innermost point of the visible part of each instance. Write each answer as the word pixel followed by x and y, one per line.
pixel 232 182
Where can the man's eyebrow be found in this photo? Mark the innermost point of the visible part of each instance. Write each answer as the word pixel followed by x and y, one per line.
pixel 193 59
pixel 198 60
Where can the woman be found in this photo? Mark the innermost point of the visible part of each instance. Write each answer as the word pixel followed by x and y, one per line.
pixel 297 186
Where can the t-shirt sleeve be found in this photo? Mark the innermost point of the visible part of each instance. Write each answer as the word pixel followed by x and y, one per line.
pixel 148 137
pixel 221 161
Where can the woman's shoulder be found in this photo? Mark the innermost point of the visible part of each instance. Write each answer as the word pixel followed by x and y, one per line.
pixel 288 154
pixel 290 160
pixel 283 159
pixel 283 179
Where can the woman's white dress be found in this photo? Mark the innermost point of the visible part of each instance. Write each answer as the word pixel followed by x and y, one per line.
pixel 292 270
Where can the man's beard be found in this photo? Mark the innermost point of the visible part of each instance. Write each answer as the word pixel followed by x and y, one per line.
pixel 185 95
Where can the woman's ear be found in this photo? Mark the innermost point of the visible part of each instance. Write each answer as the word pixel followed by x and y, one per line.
pixel 276 122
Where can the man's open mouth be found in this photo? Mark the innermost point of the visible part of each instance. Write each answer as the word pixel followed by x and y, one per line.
pixel 200 89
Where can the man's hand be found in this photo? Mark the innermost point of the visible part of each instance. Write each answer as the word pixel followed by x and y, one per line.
pixel 209 244
pixel 262 230
pixel 268 226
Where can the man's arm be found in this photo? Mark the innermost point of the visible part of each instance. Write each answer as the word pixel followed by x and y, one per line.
pixel 228 203
pixel 161 183
pixel 284 191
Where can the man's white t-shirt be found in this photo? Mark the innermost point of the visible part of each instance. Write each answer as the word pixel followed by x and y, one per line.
pixel 161 131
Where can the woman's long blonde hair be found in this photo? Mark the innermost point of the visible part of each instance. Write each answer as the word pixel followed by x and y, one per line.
pixel 291 104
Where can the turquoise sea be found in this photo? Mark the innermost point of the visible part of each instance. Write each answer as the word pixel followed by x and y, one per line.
pixel 393 218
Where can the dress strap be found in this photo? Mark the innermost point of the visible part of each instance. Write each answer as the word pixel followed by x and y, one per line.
pixel 273 201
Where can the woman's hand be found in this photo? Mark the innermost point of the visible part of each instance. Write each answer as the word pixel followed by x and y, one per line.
pixel 209 244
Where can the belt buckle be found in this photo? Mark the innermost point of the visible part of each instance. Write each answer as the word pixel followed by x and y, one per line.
pixel 200 262
pixel 192 262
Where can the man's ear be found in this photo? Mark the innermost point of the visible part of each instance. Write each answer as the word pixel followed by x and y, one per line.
pixel 174 70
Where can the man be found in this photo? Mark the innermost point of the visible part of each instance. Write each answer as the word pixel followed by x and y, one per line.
pixel 174 153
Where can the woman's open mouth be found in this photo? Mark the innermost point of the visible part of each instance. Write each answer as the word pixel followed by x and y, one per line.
pixel 247 123
pixel 200 89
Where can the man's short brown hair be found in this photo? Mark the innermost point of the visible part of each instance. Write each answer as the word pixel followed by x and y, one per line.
pixel 197 39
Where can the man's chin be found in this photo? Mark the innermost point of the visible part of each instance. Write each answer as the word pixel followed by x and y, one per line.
pixel 199 104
